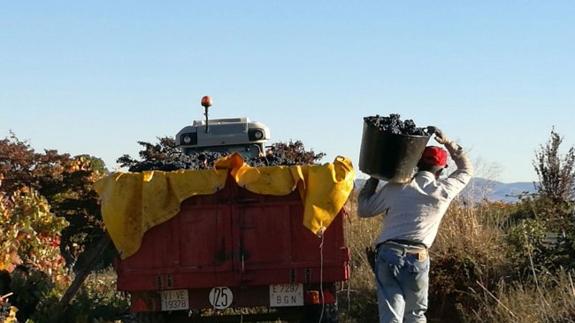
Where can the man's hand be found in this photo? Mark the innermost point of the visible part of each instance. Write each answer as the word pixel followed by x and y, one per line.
pixel 369 187
pixel 440 137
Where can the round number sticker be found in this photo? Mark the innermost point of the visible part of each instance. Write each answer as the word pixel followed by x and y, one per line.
pixel 221 297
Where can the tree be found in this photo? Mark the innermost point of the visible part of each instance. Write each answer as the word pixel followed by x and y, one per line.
pixel 556 173
pixel 66 183
pixel 546 234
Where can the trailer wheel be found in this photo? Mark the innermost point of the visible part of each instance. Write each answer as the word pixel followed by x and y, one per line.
pixel 312 314
pixel 150 317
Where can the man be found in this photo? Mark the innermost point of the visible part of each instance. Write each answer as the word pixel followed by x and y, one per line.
pixel 411 213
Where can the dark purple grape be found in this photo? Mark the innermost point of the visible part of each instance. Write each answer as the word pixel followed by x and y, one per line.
pixel 166 157
pixel 394 125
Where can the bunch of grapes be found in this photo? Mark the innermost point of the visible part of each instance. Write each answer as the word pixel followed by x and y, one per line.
pixel 394 125
pixel 165 156
pixel 287 154
pixel 181 161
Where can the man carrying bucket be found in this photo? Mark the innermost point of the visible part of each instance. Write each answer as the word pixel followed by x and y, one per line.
pixel 412 213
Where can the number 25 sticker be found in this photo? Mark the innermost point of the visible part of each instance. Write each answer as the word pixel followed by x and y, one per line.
pixel 221 297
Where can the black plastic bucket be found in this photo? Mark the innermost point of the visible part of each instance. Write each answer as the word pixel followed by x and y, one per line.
pixel 388 156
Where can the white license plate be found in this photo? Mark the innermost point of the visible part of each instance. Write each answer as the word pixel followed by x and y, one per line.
pixel 286 295
pixel 174 300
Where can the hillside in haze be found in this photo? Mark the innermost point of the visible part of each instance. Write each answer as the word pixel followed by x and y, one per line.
pixel 481 188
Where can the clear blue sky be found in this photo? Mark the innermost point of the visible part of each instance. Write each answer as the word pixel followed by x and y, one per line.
pixel 95 78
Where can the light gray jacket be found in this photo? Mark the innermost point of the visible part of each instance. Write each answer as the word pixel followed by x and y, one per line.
pixel 413 211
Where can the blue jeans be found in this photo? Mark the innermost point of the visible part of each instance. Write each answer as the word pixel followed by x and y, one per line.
pixel 402 284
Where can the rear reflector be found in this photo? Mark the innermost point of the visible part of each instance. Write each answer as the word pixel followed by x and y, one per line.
pixel 314 297
pixel 139 305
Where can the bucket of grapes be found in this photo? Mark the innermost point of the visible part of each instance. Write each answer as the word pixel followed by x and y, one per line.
pixel 391 148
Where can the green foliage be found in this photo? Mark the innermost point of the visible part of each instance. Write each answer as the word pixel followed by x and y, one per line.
pixel 542 231
pixel 361 306
pixel 527 241
pixel 30 233
pixel 66 183
pixel 541 234
pixel 164 150
pixel 48 209
pixel 556 173
pixel 30 236
pixel 31 288
pixel 97 301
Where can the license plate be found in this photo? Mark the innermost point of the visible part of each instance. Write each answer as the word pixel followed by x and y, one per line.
pixel 286 295
pixel 174 300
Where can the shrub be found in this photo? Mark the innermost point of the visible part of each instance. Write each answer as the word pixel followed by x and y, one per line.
pixel 556 173
pixel 552 299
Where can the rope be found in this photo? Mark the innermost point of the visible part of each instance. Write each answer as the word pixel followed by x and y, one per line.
pixel 348 217
pixel 321 277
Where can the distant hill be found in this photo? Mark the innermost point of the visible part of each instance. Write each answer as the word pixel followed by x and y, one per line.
pixel 481 188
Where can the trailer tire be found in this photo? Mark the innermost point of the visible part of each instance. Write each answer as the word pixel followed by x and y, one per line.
pixel 312 314
pixel 150 317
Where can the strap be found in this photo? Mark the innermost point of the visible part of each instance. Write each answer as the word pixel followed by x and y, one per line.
pixel 408 243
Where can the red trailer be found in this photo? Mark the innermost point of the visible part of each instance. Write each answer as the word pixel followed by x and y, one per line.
pixel 236 249
pixel 233 249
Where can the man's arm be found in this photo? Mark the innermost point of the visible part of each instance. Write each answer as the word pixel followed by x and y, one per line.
pixel 460 177
pixel 459 158
pixel 369 203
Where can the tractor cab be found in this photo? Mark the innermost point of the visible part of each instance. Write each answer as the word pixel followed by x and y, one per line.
pixel 223 135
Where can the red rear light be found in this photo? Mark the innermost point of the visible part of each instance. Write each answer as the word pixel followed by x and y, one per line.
pixel 314 297
pixel 328 297
pixel 139 305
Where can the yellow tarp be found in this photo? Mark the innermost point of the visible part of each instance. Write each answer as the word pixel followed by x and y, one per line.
pixel 132 203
